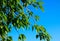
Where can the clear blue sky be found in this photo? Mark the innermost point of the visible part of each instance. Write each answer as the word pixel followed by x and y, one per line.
pixel 50 19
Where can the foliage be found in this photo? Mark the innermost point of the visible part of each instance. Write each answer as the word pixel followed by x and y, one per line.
pixel 22 37
pixel 12 12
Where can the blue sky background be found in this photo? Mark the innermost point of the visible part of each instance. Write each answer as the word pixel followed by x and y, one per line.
pixel 50 19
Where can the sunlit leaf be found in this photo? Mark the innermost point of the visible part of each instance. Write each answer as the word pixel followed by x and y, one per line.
pixel 37 18
pixel 34 0
pixel 22 37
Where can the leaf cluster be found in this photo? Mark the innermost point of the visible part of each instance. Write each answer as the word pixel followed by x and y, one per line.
pixel 12 12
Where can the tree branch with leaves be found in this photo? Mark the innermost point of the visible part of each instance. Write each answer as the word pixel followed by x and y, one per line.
pixel 12 12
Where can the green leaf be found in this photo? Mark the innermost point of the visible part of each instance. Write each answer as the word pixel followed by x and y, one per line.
pixel 22 37
pixel 34 0
pixel 9 38
pixel 41 8
pixel 42 28
pixel 30 13
pixel 5 18
pixel 36 18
